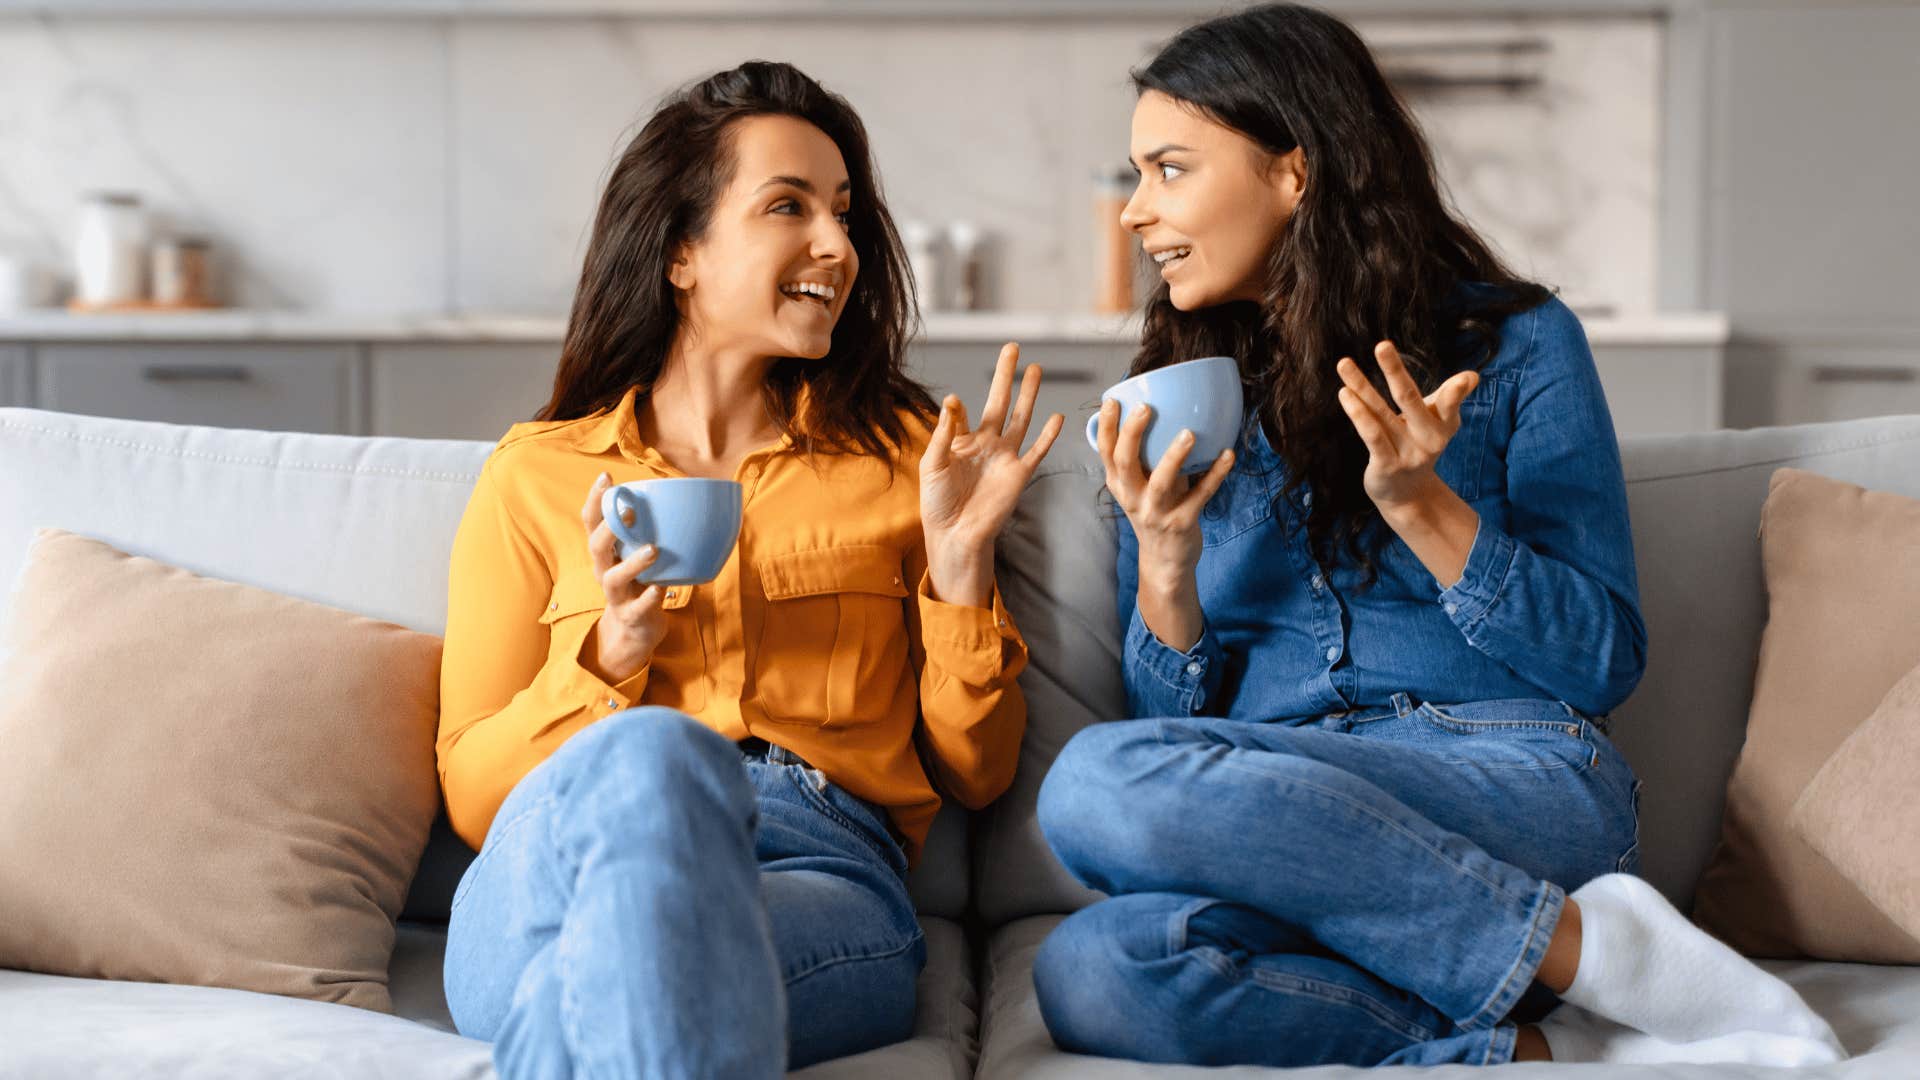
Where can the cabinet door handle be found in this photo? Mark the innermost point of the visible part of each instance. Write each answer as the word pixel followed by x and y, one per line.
pixel 195 373
pixel 1068 376
pixel 1830 373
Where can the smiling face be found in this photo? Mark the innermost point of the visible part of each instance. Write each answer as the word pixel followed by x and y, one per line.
pixel 773 270
pixel 1211 203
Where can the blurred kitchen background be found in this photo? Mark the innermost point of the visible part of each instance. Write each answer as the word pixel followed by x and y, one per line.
pixel 367 216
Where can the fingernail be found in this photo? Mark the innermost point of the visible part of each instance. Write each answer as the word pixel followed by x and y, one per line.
pixel 1186 435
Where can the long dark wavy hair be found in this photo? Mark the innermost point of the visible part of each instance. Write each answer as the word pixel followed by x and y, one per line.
pixel 1371 252
pixel 662 193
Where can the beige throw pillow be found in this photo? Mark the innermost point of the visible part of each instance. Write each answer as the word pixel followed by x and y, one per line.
pixel 207 783
pixel 1860 810
pixel 1842 571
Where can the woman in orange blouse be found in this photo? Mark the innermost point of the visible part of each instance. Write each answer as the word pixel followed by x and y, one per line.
pixel 695 806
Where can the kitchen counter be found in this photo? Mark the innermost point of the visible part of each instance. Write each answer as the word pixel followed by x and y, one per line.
pixel 1653 328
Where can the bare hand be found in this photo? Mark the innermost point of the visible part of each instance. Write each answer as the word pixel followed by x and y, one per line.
pixel 971 479
pixel 1402 446
pixel 1163 506
pixel 634 621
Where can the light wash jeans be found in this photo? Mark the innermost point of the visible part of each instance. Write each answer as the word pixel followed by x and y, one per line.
pixel 652 901
pixel 1370 888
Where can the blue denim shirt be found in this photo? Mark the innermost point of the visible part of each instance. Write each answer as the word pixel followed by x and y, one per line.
pixel 1548 606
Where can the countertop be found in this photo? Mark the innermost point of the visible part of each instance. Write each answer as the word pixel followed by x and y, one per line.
pixel 251 325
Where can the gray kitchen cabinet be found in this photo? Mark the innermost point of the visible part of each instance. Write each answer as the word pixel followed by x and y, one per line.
pixel 1651 389
pixel 1810 224
pixel 1073 373
pixel 13 375
pixel 1823 381
pixel 1788 137
pixel 272 387
pixel 1661 389
pixel 458 390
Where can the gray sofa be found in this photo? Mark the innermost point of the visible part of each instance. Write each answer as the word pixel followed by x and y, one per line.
pixel 242 505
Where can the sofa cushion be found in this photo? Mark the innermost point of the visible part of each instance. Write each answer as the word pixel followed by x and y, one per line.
pixel 1859 810
pixel 1843 582
pixel 82 1029
pixel 1695 502
pixel 1875 1011
pixel 243 505
pixel 207 783
pixel 1056 577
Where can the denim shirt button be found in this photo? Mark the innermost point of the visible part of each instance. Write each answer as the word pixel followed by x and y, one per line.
pixel 1193 667
pixel 1319 582
pixel 1306 499
pixel 1452 607
pixel 1333 652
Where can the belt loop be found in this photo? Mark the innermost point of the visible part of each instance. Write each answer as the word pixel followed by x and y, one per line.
pixel 1402 704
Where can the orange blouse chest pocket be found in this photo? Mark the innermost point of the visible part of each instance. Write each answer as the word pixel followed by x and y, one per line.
pixel 678 662
pixel 833 642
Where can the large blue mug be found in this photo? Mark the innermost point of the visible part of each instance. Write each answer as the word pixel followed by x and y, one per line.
pixel 692 520
pixel 1202 396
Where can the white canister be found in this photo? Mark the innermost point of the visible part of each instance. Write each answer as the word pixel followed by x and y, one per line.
pixel 922 244
pixel 110 253
pixel 23 284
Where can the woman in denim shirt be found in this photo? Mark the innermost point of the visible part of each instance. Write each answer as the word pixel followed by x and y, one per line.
pixel 1374 817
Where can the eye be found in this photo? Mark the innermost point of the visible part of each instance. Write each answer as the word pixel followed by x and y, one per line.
pixel 1165 165
pixel 845 217
pixel 787 206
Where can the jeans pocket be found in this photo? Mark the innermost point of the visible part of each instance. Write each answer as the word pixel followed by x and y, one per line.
pixel 1512 733
pixel 850 813
pixel 1630 859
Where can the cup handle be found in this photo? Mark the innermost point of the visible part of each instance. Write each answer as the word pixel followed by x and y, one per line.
pixel 1093 432
pixel 619 499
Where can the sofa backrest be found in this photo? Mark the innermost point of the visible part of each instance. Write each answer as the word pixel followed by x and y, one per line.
pixel 1695 505
pixel 364 524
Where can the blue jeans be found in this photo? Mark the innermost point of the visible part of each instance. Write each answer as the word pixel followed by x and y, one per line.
pixel 652 901
pixel 1369 888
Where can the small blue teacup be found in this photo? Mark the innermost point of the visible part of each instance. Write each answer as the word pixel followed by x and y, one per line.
pixel 692 520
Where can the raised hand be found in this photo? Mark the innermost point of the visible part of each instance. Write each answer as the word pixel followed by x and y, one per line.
pixel 970 479
pixel 1402 445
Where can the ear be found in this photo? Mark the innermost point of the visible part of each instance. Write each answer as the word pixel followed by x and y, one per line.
pixel 680 270
pixel 1288 173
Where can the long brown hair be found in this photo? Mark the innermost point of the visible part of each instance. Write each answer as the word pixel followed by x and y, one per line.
pixel 662 194
pixel 1371 252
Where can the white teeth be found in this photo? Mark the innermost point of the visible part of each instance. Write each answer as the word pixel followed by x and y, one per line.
pixel 1167 256
pixel 823 292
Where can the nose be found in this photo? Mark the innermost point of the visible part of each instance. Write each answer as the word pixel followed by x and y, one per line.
pixel 1137 214
pixel 830 242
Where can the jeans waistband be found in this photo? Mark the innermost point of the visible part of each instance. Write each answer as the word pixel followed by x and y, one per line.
pixel 1400 704
pixel 754 746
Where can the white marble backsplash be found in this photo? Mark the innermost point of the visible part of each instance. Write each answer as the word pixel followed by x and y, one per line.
pixel 406 165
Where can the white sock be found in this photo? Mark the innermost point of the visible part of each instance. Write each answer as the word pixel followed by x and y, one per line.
pixel 1644 965
pixel 1575 1035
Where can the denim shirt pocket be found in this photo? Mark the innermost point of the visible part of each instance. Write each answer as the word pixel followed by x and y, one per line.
pixel 1242 503
pixel 1472 463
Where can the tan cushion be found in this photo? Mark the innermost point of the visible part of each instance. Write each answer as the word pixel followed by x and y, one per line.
pixel 1842 569
pixel 1860 809
pixel 208 783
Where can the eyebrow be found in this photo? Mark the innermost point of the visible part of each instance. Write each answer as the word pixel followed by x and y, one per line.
pixel 1159 152
pixel 802 183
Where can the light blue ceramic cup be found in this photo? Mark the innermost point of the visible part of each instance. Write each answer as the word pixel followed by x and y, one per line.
pixel 692 520
pixel 1202 395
